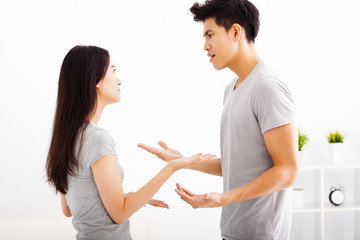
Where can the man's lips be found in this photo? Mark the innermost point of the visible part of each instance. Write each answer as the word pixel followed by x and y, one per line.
pixel 211 56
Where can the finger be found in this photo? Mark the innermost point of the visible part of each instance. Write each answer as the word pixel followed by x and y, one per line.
pixel 158 203
pixel 191 201
pixel 208 156
pixel 163 145
pixel 180 188
pixel 197 155
pixel 162 205
pixel 148 148
pixel 195 158
pixel 183 195
pixel 204 196
pixel 154 201
pixel 187 191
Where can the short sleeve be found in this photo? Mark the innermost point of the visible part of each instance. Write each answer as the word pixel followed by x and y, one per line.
pixel 272 104
pixel 99 144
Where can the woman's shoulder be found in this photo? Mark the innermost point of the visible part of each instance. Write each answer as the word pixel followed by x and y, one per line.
pixel 93 133
pixel 96 142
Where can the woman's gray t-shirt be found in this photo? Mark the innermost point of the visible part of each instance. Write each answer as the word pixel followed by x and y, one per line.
pixel 90 218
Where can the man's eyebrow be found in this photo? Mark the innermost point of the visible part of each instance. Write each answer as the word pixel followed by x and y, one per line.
pixel 206 33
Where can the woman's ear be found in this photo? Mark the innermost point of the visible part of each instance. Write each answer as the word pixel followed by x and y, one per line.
pixel 98 85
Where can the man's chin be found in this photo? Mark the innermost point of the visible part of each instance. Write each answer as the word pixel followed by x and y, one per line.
pixel 217 67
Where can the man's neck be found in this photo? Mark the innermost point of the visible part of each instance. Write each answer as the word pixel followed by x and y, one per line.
pixel 243 63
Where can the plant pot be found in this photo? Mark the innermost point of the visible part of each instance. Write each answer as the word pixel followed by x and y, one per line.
pixel 337 153
pixel 300 156
pixel 298 198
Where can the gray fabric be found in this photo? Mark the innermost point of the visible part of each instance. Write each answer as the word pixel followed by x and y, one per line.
pixel 261 102
pixel 90 218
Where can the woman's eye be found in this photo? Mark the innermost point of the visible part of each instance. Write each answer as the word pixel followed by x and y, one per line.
pixel 210 35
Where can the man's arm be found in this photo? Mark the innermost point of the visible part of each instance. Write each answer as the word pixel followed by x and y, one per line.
pixel 167 154
pixel 281 143
pixel 212 166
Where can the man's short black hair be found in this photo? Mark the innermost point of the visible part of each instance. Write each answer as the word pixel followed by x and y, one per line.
pixel 229 12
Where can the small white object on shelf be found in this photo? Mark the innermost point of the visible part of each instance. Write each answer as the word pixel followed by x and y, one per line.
pixel 298 198
pixel 337 153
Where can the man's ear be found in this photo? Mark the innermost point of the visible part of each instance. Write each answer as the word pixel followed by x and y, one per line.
pixel 237 31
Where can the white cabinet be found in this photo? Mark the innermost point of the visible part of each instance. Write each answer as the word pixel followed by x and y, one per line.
pixel 319 219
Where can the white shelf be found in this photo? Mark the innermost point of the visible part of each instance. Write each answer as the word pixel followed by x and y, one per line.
pixel 348 206
pixel 327 166
pixel 309 207
pixel 328 207
pixel 319 217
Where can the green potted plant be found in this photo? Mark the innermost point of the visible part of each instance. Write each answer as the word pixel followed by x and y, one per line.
pixel 302 140
pixel 336 147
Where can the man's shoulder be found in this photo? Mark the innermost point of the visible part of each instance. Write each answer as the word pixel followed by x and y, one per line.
pixel 264 71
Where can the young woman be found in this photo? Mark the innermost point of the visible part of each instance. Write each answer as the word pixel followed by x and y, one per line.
pixel 82 162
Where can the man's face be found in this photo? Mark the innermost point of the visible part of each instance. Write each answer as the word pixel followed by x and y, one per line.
pixel 219 44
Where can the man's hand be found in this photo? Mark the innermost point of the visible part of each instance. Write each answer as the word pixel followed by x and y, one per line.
pixel 207 200
pixel 167 154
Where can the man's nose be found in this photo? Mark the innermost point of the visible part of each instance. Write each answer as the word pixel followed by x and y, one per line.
pixel 206 46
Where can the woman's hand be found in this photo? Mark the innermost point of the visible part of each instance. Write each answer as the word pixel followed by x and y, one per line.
pixel 152 202
pixel 183 162
pixel 166 154
pixel 157 203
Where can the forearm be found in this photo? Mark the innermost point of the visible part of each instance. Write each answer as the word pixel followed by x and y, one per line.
pixel 275 179
pixel 65 208
pixel 212 166
pixel 133 202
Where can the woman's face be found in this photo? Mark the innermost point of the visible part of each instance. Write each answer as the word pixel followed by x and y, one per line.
pixel 108 89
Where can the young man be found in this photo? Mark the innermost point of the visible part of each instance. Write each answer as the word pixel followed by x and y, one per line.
pixel 258 132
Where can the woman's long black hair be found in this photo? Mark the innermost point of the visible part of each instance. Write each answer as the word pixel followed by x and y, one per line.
pixel 83 67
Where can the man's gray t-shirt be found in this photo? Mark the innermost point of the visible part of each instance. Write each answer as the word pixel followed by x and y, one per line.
pixel 261 102
pixel 90 218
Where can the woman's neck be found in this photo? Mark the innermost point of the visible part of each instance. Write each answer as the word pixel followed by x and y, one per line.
pixel 96 116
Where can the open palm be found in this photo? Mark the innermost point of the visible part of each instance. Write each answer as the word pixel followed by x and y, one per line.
pixel 167 154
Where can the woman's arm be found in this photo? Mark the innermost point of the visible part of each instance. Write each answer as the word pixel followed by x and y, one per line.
pixel 167 154
pixel 65 208
pixel 108 181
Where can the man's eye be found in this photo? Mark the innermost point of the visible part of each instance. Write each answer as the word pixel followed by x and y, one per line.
pixel 210 35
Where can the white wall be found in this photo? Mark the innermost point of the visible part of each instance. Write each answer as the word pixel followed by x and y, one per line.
pixel 169 90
